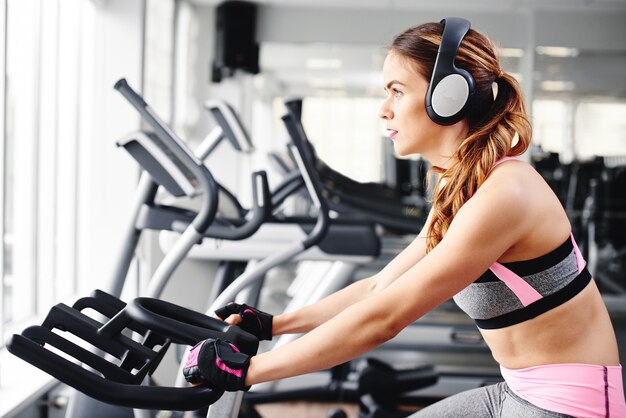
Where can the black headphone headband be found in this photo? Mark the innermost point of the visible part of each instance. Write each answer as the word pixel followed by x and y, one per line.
pixel 454 30
pixel 450 88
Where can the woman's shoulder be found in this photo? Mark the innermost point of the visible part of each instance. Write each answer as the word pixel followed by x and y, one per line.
pixel 513 177
pixel 507 187
pixel 499 212
pixel 514 187
pixel 518 187
pixel 515 172
pixel 513 204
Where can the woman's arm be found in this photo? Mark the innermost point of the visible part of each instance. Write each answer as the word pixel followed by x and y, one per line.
pixel 483 229
pixel 309 317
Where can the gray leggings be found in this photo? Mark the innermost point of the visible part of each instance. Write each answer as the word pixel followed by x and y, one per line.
pixel 489 401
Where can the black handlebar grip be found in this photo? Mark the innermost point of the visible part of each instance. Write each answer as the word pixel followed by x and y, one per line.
pixel 187 326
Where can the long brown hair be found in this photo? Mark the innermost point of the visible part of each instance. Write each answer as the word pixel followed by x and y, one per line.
pixel 497 128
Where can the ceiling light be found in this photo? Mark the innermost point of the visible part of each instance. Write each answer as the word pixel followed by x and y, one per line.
pixel 323 63
pixel 511 52
pixel 557 51
pixel 327 83
pixel 557 85
pixel 330 93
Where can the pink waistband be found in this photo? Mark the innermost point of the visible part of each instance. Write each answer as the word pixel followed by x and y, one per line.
pixel 580 390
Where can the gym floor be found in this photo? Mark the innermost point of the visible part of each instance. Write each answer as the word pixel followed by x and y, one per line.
pixel 304 410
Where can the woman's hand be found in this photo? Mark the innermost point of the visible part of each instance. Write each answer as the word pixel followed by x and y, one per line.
pixel 252 320
pixel 218 364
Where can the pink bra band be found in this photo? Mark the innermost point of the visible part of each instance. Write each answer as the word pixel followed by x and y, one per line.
pixel 525 292
pixel 580 261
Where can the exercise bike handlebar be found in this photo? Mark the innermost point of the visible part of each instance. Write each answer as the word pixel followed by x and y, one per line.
pixel 120 384
pixel 97 387
pixel 309 175
pixel 233 129
pixel 178 148
pixel 203 223
pixel 259 213
pixel 185 326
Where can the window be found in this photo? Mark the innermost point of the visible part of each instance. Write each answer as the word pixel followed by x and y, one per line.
pixel 159 55
pixel 3 309
pixel 20 155
pixel 600 129
pixel 549 120
pixel 580 129
pixel 347 134
pixel 39 173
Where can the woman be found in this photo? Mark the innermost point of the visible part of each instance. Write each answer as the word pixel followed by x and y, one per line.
pixel 497 240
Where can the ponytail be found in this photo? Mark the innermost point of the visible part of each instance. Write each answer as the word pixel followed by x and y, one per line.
pixel 503 131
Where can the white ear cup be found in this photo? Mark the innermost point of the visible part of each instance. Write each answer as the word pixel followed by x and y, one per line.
pixel 450 95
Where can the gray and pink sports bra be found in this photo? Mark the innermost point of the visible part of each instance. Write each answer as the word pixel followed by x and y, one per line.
pixel 510 293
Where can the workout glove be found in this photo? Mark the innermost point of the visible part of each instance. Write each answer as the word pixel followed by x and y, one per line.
pixel 218 364
pixel 255 322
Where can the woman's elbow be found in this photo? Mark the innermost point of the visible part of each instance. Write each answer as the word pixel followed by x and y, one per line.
pixel 393 328
pixel 385 327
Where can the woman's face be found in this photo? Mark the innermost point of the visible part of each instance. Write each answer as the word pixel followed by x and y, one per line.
pixel 404 109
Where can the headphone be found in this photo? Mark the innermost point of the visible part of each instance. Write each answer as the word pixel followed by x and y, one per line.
pixel 450 88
